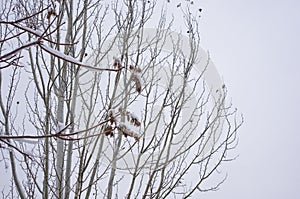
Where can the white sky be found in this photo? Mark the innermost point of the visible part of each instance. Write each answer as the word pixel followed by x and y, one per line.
pixel 255 46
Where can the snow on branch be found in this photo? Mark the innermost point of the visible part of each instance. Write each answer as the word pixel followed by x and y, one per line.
pixel 14 52
pixel 115 123
pixel 128 132
pixel 42 37
pixel 131 117
pixel 30 30
pixel 71 59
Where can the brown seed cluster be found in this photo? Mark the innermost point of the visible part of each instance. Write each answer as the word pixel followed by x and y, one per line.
pixel 136 77
pixel 130 117
pixel 114 124
pixel 127 132
pixel 117 63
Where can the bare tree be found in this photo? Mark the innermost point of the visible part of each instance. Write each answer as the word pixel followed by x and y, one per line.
pixel 95 104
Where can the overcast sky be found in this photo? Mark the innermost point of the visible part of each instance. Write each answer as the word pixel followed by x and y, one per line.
pixel 255 47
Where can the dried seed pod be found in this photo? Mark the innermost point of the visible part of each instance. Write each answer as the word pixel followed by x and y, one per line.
pixel 50 13
pixel 127 132
pixel 135 122
pixel 117 63
pixel 138 86
pixel 108 131
pixel 138 69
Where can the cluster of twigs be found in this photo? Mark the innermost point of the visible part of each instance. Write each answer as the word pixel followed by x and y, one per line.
pixel 12 58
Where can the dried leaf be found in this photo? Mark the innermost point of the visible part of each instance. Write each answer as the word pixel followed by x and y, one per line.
pixel 108 131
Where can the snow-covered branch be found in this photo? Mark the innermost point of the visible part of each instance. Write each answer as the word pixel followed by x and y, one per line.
pixel 13 52
pixel 71 59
